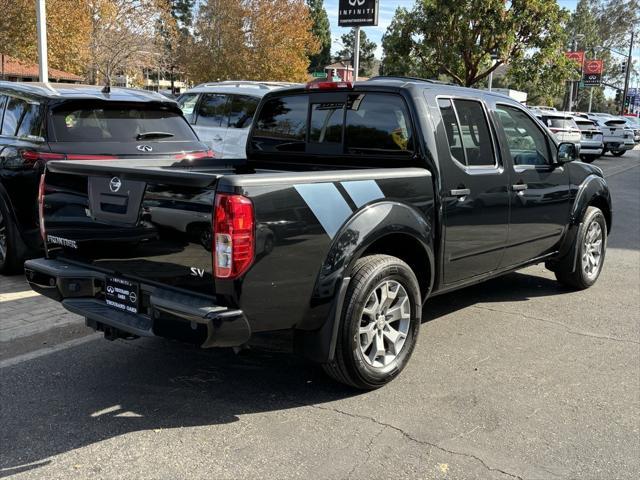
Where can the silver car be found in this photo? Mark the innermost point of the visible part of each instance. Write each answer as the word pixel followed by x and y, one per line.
pixel 591 143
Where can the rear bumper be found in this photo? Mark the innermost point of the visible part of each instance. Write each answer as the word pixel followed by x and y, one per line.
pixel 618 145
pixel 163 312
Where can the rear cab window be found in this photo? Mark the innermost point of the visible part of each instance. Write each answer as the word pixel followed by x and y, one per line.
pixel 343 124
pixel 117 122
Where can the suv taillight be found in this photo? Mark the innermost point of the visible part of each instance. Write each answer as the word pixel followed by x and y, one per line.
pixel 233 235
pixel 43 232
pixel 30 157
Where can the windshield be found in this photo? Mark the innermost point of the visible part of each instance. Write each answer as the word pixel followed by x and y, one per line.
pixel 118 123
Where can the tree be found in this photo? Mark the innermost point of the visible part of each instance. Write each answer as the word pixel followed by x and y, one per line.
pixel 458 37
pixel 68 28
pixel 322 31
pixel 251 39
pixel 367 51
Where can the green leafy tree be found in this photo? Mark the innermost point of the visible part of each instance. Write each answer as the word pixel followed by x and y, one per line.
pixel 457 38
pixel 182 11
pixel 367 51
pixel 322 31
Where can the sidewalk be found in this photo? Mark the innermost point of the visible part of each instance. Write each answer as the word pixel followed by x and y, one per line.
pixel 23 312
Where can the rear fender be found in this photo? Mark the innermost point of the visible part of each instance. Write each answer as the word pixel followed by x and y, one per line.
pixel 315 337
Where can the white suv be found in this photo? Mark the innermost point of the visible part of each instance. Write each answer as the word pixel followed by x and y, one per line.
pixel 221 113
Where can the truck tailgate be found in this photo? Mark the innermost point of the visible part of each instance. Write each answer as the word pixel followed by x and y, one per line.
pixel 145 223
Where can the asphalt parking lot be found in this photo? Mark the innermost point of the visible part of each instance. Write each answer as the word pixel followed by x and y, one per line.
pixel 514 378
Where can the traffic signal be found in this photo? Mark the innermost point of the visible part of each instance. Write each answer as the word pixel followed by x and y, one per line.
pixel 623 67
pixel 618 96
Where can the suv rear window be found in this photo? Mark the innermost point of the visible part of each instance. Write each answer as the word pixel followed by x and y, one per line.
pixel 117 123
pixel 558 122
pixel 585 125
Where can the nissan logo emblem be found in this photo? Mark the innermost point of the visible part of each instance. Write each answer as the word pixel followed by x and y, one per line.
pixel 144 148
pixel 114 184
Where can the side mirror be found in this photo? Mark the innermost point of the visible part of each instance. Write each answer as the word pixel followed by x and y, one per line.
pixel 567 152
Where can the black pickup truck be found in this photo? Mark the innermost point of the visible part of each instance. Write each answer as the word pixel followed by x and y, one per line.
pixel 356 205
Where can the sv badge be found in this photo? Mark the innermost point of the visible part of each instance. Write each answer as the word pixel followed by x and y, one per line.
pixel 197 272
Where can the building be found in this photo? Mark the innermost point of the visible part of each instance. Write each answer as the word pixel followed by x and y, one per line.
pixel 15 70
pixel 341 69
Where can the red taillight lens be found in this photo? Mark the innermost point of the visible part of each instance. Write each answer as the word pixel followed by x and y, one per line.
pixel 41 186
pixel 30 157
pixel 233 235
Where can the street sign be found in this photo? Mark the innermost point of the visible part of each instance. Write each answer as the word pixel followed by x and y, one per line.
pixel 357 13
pixel 319 74
pixel 592 72
pixel 578 59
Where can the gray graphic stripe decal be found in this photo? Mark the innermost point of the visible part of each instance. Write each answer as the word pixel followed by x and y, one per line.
pixel 326 203
pixel 363 191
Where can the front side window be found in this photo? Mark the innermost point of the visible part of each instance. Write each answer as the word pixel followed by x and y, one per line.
pixel 212 111
pixel 527 143
pixel 187 104
pixel 377 124
pixel 281 125
pixel 242 109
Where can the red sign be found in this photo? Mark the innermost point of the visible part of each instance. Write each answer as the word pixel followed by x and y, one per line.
pixel 593 67
pixel 578 57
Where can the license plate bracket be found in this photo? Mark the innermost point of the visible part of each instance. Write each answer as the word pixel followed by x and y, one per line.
pixel 122 294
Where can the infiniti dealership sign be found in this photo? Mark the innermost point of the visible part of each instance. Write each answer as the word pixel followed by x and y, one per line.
pixel 357 13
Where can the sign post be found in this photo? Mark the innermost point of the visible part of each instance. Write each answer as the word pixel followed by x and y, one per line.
pixel 356 14
pixel 578 58
pixel 41 24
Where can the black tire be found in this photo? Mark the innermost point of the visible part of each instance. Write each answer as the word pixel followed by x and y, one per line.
pixel 577 277
pixel 11 258
pixel 618 153
pixel 588 158
pixel 349 365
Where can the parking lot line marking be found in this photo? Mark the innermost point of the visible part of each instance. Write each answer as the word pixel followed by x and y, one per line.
pixel 7 297
pixel 9 362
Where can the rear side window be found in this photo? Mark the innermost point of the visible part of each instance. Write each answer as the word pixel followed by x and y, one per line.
pixel 12 115
pixel 282 124
pixel 213 111
pixel 31 122
pixel 3 101
pixel 468 132
pixel 117 123
pixel 377 123
pixel 187 104
pixel 242 110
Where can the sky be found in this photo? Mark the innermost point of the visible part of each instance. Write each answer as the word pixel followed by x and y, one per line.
pixel 385 14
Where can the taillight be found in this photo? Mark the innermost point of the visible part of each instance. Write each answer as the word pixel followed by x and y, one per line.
pixel 233 235
pixel 329 85
pixel 43 232
pixel 195 155
pixel 30 157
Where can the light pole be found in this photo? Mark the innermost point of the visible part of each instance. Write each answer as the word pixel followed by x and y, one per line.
pixel 576 37
pixel 627 73
pixel 41 27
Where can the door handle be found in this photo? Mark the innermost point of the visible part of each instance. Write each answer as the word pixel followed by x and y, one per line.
pixel 519 187
pixel 460 192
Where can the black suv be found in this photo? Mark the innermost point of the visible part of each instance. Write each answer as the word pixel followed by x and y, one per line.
pixel 42 122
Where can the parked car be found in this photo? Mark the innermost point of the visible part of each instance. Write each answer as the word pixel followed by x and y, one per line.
pixel 383 210
pixel 591 143
pixel 617 137
pixel 41 122
pixel 634 126
pixel 562 126
pixel 221 113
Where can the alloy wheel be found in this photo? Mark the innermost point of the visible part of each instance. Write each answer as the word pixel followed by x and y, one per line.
pixel 3 238
pixel 592 250
pixel 384 324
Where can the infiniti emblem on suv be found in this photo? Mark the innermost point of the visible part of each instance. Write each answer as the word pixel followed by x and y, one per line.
pixel 144 148
pixel 114 184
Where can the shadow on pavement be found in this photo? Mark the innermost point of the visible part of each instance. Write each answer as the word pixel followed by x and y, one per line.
pixel 100 390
